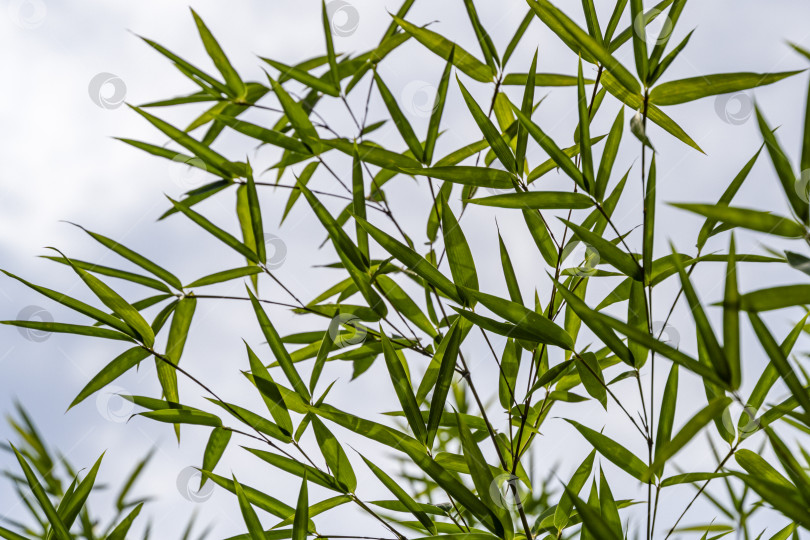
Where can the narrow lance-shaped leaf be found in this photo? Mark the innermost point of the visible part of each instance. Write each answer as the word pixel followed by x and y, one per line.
pixel 563 511
pixel 330 46
pixel 59 529
pixel 445 377
pixel 639 38
pixel 780 362
pixel 403 389
pixel 509 273
pixel 584 132
pixel 359 202
pixel 301 520
pixel 459 256
pixel 335 457
pixel 784 170
pixel 713 349
pixel 685 90
pixel 403 496
pixel 254 526
pixel 613 451
pixel 225 237
pixel 399 118
pixel 279 351
pixel 649 222
pixel 669 401
pixel 109 373
pixel 755 220
pixel 443 47
pixel 731 319
pixel 623 262
pixel 438 110
pixel 214 449
pixel 491 133
pixel 609 155
pixel 526 109
pixel 117 304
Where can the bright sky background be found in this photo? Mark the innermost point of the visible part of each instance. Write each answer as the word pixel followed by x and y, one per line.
pixel 58 161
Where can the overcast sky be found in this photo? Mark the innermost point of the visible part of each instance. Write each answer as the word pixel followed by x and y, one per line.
pixel 69 66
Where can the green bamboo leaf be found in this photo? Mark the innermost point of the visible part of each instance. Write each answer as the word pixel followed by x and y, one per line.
pixel 183 416
pixel 113 272
pixel 688 432
pixel 225 237
pixel 468 175
pixel 212 159
pixel 539 200
pixel 592 520
pixel 562 512
pixel 513 43
pixel 780 362
pixel 526 108
pixel 118 305
pixel 77 305
pixel 533 323
pixel 591 375
pixel 117 367
pixel 297 117
pixel 303 76
pixel 731 319
pixel 510 365
pixel 330 47
pixel 269 392
pixel 791 465
pixel 491 133
pixel 188 69
pixel 298 469
pixel 541 236
pixel 225 275
pixel 121 530
pixel 269 136
pixel 301 519
pixel 748 219
pixel 446 49
pixel 412 260
pixel 438 110
pixel 459 256
pixel 302 180
pixel 252 522
pixel 685 90
pixel 608 507
pixel 217 443
pixel 220 60
pixel 639 39
pixel 598 327
pixel 449 355
pixel 649 222
pixel 59 529
pixel 402 496
pixel 584 131
pixel 335 457
pixel 509 272
pixel 725 199
pixel 359 203
pixel 669 401
pixel 608 251
pixel 254 496
pixel 592 21
pixel 635 102
pixel 541 79
pixel 374 154
pixel 784 170
pixel 552 375
pixel 75 329
pixel 613 451
pixel 279 351
pixel 482 476
pixel 399 118
pixel 403 389
pixel 404 304
pixel 583 43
